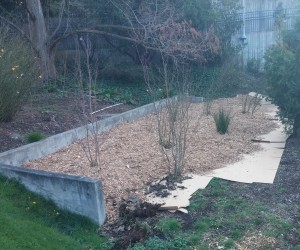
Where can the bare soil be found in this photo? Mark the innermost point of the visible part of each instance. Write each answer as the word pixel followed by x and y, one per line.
pixel 48 114
pixel 131 158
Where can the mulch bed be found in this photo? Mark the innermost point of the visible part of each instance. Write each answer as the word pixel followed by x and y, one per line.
pixel 283 197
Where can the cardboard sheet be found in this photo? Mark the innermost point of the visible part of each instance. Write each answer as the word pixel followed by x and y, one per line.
pixel 259 167
pixel 179 198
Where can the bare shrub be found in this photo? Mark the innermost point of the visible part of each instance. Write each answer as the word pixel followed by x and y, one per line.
pixel 172 127
pixel 250 104
pixel 207 107
pixel 175 42
pixel 86 100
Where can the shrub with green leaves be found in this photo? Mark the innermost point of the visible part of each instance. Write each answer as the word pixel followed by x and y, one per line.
pixel 282 71
pixel 18 71
pixel 253 66
pixel 222 120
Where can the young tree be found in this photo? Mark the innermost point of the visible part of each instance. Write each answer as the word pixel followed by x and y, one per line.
pixel 158 27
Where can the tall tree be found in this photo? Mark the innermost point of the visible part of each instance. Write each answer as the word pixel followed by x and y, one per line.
pixel 39 37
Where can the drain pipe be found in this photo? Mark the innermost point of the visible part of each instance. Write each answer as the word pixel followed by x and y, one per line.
pixel 243 37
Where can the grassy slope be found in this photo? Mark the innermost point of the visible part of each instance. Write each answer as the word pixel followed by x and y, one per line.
pixel 220 218
pixel 30 222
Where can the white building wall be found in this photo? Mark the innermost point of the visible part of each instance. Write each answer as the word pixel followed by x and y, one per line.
pixel 258 18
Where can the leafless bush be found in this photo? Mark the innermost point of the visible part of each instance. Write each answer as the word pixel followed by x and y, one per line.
pixel 86 100
pixel 250 104
pixel 158 29
pixel 158 26
pixel 207 107
pixel 173 122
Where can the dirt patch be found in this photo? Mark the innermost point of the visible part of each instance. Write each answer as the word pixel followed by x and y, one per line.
pixel 256 241
pixel 131 159
pixel 49 114
pixel 283 196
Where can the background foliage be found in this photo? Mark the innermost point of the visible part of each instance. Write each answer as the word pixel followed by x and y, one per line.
pixel 282 71
pixel 18 70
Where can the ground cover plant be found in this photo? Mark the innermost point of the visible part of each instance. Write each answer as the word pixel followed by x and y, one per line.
pixel 30 222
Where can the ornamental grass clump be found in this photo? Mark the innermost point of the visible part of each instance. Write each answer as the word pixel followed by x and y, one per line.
pixel 34 137
pixel 222 120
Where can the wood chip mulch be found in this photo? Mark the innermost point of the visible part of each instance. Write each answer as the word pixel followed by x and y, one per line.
pixel 131 158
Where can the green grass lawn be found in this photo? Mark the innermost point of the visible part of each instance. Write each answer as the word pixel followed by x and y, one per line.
pixel 219 217
pixel 31 222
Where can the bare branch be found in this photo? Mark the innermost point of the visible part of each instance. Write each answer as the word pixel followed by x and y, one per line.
pixel 17 28
pixel 98 32
pixel 61 11
pixel 156 26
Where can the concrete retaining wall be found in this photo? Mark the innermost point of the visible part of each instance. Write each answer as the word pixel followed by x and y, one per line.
pixel 32 151
pixel 80 195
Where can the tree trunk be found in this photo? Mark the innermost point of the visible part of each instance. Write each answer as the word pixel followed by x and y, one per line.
pixel 39 38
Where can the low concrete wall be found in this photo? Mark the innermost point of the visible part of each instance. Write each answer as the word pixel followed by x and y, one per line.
pixel 32 151
pixel 80 195
pixel 195 99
